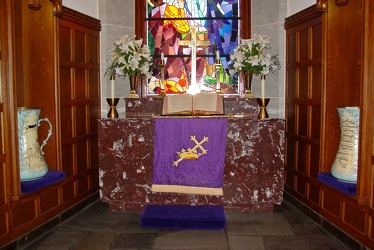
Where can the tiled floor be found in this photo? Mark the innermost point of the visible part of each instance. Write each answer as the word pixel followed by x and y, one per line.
pixel 96 227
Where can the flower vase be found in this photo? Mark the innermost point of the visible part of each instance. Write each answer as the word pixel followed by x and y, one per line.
pixel 247 76
pixel 345 164
pixel 133 78
pixel 31 160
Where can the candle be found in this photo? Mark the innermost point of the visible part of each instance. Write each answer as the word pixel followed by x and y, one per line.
pixel 217 55
pixel 162 57
pixel 263 86
pixel 112 85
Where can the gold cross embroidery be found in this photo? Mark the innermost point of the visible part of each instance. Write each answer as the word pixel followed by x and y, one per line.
pixel 191 153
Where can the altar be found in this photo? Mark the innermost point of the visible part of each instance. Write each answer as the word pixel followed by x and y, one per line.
pixel 253 170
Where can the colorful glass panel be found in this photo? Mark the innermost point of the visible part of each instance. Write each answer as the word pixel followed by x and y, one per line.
pixel 170 21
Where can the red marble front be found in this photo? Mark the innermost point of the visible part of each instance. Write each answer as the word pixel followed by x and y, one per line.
pixel 253 179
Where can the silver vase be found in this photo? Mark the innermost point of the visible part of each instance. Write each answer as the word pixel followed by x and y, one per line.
pixel 345 164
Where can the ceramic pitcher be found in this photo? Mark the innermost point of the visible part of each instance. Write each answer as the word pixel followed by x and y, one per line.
pixel 345 164
pixel 32 163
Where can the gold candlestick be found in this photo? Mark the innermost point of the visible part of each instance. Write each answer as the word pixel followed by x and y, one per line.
pixel 218 65
pixel 263 102
pixel 112 111
pixel 162 80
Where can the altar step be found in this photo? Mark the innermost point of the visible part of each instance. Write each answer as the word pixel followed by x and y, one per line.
pixel 183 217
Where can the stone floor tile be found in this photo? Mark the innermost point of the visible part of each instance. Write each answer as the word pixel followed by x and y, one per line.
pixel 304 243
pixel 191 239
pixel 301 224
pixel 108 221
pixel 60 238
pixel 37 247
pixel 133 241
pixel 258 224
pixel 246 242
pixel 95 241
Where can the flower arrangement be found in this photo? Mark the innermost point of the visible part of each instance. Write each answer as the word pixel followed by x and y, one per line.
pixel 249 56
pixel 130 56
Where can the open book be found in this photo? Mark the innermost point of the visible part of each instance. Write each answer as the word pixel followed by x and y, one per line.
pixel 209 103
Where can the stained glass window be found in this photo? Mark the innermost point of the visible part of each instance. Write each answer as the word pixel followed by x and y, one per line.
pixel 169 27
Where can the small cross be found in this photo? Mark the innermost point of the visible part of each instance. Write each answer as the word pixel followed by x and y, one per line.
pixel 193 43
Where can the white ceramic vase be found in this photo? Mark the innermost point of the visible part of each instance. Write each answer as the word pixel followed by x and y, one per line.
pixel 345 164
pixel 31 160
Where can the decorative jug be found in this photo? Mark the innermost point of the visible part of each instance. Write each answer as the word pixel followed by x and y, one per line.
pixel 345 164
pixel 31 160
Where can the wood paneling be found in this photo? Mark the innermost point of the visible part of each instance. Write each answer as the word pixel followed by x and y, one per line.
pixel 329 64
pixel 49 59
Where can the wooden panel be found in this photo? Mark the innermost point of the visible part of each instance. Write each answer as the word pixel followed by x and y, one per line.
pixel 93 118
pixel 290 156
pixel 288 178
pixel 354 217
pixel 80 120
pixel 23 213
pixel 93 55
pixel 65 83
pixel 80 86
pixel 331 203
pixel 68 160
pixel 94 152
pixel 291 83
pixel 82 184
pixel 81 148
pixel 66 117
pixel 303 45
pixel 303 124
pixel 68 192
pixel 301 186
pixel 291 48
pixel 3 189
pixel 65 43
pixel 303 84
pixel 302 153
pixel 314 193
pixel 3 224
pixel 314 161
pixel 94 87
pixel 79 46
pixel 49 201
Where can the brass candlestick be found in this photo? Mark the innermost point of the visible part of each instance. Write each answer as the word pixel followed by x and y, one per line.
pixel 112 111
pixel 162 74
pixel 218 65
pixel 263 102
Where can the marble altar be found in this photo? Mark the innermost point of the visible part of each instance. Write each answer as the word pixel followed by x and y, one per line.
pixel 253 176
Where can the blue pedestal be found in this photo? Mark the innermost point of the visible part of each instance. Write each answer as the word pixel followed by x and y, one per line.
pixel 51 177
pixel 327 178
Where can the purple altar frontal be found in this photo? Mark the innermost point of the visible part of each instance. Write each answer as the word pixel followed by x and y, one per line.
pixel 346 187
pixel 51 177
pixel 183 217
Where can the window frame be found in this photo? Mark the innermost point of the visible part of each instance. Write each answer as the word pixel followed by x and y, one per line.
pixel 140 27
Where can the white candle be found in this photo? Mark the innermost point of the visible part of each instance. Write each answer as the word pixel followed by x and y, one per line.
pixel 262 86
pixel 217 55
pixel 112 86
pixel 162 57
